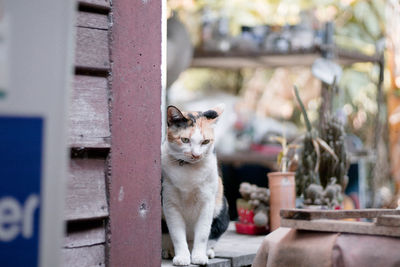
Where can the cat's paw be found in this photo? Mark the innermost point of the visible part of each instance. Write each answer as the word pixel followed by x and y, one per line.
pixel 210 253
pixel 167 254
pixel 201 259
pixel 181 260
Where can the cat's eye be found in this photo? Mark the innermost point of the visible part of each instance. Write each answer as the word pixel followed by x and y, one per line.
pixel 185 140
pixel 205 142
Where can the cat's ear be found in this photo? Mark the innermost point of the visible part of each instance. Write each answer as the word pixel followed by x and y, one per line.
pixel 214 113
pixel 175 117
pixel 219 108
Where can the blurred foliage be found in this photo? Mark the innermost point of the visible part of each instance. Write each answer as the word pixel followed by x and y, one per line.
pixel 204 79
pixel 359 24
pixel 357 100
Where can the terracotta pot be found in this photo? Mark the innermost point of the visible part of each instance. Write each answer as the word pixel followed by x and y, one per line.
pixel 282 195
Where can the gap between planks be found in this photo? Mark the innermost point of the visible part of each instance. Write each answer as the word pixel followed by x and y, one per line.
pixel 99 6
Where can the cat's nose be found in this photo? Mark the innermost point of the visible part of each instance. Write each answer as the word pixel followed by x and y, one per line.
pixel 194 156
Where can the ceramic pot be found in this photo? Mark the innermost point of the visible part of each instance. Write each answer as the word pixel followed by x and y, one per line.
pixel 282 195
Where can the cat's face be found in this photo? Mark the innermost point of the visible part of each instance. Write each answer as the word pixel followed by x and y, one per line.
pixel 191 134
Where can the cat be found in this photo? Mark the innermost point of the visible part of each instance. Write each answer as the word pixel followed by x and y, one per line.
pixel 194 206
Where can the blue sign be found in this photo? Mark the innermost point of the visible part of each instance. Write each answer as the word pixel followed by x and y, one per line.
pixel 21 145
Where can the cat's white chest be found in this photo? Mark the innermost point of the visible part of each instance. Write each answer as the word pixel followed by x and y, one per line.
pixel 188 185
pixel 190 188
pixel 188 178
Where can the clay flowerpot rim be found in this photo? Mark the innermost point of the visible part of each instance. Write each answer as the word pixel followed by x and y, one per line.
pixel 272 174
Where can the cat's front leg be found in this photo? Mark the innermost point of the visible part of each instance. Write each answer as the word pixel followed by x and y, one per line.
pixel 177 230
pixel 201 233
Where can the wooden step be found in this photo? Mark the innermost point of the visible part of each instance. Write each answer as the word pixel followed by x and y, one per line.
pixel 232 250
pixel 387 221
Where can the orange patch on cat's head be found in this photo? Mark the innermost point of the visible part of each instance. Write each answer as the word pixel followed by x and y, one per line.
pixel 183 124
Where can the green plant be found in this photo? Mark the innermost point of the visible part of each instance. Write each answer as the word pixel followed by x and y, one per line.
pixel 284 160
pixel 332 131
pixel 308 171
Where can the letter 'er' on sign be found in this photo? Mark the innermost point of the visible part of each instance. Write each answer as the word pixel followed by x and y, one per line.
pixel 17 219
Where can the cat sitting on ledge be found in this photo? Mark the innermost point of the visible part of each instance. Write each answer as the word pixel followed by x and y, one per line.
pixel 194 207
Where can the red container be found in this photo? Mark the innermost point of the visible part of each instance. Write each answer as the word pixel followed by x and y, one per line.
pixel 245 215
pixel 249 229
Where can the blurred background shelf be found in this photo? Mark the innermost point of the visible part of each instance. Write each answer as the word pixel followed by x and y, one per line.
pixel 249 157
pixel 240 59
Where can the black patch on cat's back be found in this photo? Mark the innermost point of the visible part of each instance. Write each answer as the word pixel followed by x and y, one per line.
pixel 210 114
pixel 220 223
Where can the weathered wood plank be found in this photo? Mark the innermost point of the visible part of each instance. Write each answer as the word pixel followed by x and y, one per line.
pixel 216 262
pixel 89 116
pixel 238 260
pixel 240 249
pixel 232 249
pixel 92 20
pixel 101 4
pixel 303 214
pixel 168 263
pixel 211 263
pixel 88 236
pixel 84 257
pixel 342 227
pixel 91 51
pixel 86 192
pixel 388 220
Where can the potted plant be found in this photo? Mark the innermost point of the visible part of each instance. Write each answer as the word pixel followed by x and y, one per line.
pixel 323 164
pixel 252 209
pixel 281 184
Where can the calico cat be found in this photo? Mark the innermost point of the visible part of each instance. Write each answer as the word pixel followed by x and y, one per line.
pixel 194 206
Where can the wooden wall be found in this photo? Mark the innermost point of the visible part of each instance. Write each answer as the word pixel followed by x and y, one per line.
pixel 113 202
pixel 86 210
pixel 135 187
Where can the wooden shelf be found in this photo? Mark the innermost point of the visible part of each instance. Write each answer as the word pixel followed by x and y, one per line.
pixel 269 160
pixel 240 59
pixel 348 57
pixel 249 157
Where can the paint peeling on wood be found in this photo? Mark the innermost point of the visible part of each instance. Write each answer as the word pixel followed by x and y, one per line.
pixel 121 194
pixel 143 209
